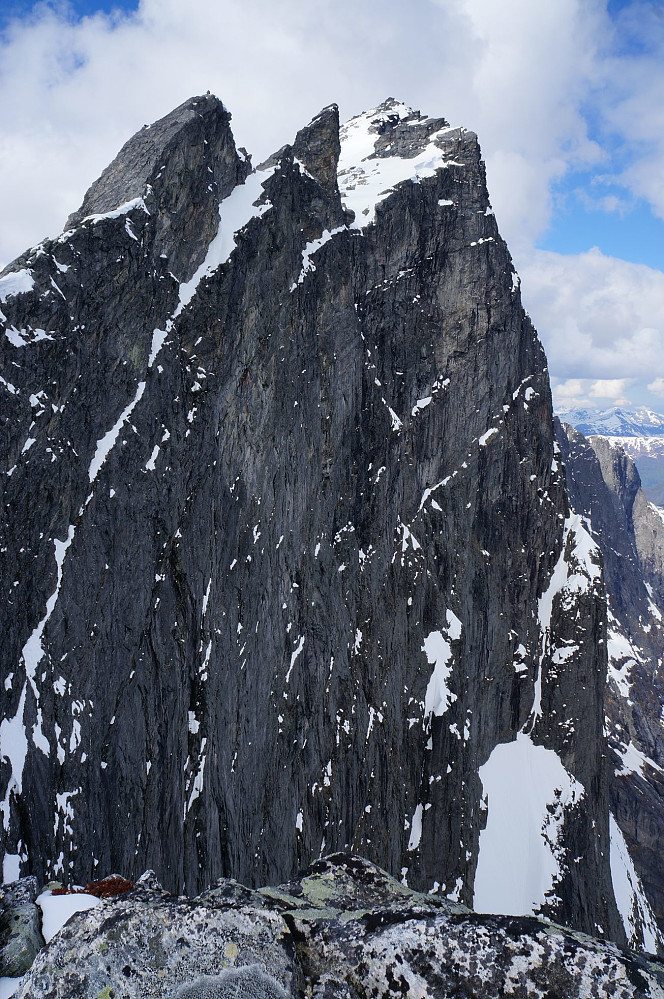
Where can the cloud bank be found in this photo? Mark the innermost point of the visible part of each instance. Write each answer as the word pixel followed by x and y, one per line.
pixel 549 88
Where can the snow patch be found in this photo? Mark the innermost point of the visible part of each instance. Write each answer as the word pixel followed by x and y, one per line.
pixel 366 179
pixel 437 648
pixel 415 829
pixel 123 209
pixel 57 909
pixel 483 440
pixel 16 283
pixel 520 858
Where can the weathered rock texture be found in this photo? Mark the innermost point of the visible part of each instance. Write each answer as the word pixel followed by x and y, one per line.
pixel 20 927
pixel 605 487
pixel 273 543
pixel 343 931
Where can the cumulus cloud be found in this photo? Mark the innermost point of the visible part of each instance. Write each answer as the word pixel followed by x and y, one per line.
pixel 633 104
pixel 599 318
pixel 548 87
pixel 584 393
pixel 72 91
pixel 657 387
pixel 534 65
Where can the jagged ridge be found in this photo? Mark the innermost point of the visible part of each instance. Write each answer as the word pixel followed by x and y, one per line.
pixel 287 546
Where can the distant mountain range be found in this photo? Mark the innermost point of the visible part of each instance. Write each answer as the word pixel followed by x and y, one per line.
pixel 615 422
pixel 639 431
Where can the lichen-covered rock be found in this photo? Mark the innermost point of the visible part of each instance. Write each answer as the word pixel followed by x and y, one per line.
pixel 345 930
pixel 148 943
pixel 20 927
pixel 244 983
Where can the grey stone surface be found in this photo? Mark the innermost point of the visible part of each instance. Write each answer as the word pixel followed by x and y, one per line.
pixel 20 927
pixel 182 166
pixel 351 940
pixel 230 674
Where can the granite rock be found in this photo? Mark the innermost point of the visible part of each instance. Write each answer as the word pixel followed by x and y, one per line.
pixel 351 932
pixel 20 927
pixel 286 549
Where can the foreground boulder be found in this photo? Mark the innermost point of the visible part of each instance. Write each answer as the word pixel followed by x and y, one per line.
pixel 345 929
pixel 20 927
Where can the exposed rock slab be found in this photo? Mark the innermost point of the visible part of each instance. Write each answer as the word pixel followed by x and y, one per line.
pixel 345 929
pixel 20 927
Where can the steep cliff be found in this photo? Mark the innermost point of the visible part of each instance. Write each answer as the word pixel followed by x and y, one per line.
pixel 287 560
pixel 605 488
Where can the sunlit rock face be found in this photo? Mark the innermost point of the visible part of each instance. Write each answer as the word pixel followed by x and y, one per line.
pixel 287 551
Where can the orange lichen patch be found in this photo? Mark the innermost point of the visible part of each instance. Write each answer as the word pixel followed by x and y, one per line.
pixel 106 888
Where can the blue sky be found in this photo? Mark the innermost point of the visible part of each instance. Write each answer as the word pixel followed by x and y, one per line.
pixel 588 213
pixel 589 207
pixel 77 8
pixel 567 99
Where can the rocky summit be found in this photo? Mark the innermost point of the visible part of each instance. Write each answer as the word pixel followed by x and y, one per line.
pixel 289 565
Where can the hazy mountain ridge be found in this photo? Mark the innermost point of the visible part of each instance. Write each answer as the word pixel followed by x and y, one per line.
pixel 615 421
pixel 640 432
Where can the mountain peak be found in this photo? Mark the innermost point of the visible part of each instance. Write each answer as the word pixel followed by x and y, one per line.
pixel 178 169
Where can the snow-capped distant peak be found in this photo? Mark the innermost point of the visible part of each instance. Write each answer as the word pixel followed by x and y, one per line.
pixel 378 152
pixel 615 422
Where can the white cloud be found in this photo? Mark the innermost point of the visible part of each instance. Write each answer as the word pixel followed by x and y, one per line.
pixel 542 83
pixel 610 388
pixel 524 96
pixel 598 317
pixel 633 102
pixel 657 387
pixel 584 393
pixel 72 92
pixel 516 72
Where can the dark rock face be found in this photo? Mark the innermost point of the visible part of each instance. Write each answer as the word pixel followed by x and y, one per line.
pixel 286 550
pixel 180 168
pixel 345 929
pixel 604 486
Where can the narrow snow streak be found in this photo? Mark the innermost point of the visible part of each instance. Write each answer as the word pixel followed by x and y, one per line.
pixel 574 573
pixel 310 249
pixel 106 443
pixel 298 649
pixel 13 731
pixel 123 209
pixel 235 212
pixel 635 912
